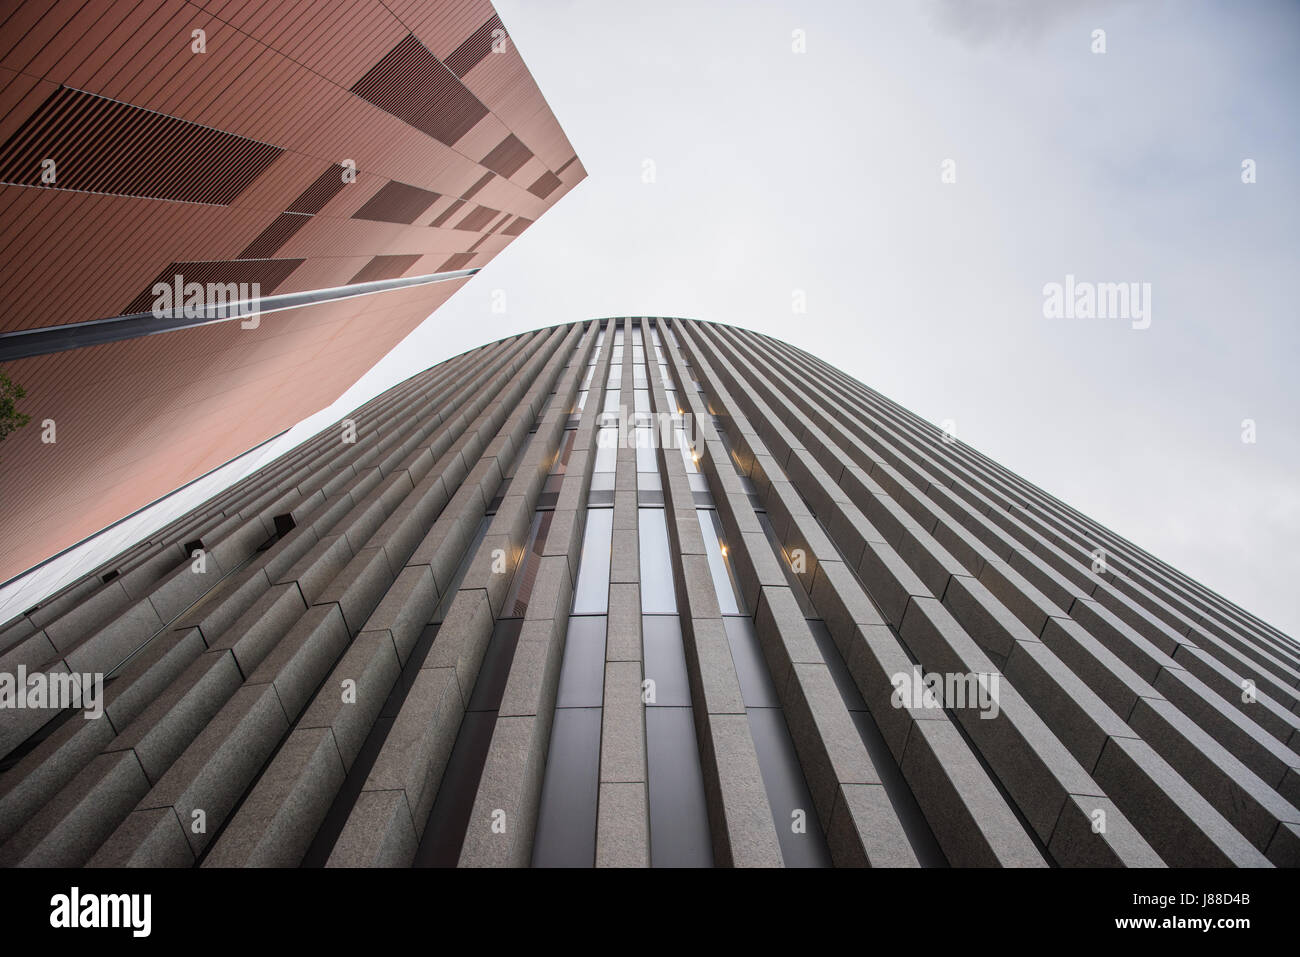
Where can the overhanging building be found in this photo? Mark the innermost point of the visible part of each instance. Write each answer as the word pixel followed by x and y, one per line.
pixel 647 592
pixel 301 146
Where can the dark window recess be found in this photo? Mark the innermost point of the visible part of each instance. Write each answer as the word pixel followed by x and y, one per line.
pixel 192 547
pixel 507 157
pixel 444 835
pixel 284 524
pixel 105 578
pixel 478 219
pixel 267 273
pixel 566 450
pixel 474 48
pixel 102 145
pixel 521 589
pixel 313 199
pixel 396 203
pixel 413 86
pixel 756 687
pixel 269 240
pixel 787 791
pixel 385 267
pixel 545 185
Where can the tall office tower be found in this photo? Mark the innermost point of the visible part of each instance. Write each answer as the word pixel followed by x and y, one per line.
pixel 300 146
pixel 657 592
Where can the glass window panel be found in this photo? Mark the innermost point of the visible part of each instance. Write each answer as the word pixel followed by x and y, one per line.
pixel 641 400
pixel 787 790
pixel 566 814
pixel 665 660
pixel 591 595
pixel 639 379
pixel 679 818
pixel 612 400
pixel 615 375
pixel 646 459
pixel 606 449
pixel 756 687
pixel 657 595
pixel 582 672
pixel 719 563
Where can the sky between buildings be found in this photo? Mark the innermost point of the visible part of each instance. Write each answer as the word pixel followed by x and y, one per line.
pixel 822 171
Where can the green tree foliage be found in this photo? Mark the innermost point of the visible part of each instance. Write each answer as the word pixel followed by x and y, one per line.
pixel 10 418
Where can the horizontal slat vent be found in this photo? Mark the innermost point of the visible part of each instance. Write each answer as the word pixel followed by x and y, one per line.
pixel 396 203
pixel 99 145
pixel 412 85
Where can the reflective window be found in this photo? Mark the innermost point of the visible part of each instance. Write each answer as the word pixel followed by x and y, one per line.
pixel 591 595
pixel 657 595
pixel 606 449
pixel 679 818
pixel 719 561
pixel 646 459
pixel 582 672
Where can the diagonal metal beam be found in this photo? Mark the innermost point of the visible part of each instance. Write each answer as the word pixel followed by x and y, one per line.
pixel 26 343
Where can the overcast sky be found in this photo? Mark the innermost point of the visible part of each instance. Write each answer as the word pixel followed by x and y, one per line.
pixel 821 171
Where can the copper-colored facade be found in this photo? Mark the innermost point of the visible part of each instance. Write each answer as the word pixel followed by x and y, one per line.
pixel 230 165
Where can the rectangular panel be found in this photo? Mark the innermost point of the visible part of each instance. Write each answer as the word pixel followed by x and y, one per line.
pixel 657 594
pixel 591 595
pixel 566 816
pixel 679 818
pixel 412 85
pixel 582 672
pixel 665 660
pixel 101 145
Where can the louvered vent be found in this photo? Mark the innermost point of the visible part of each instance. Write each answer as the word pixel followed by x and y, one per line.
pixel 413 86
pixel 274 236
pixel 483 181
pixel 546 184
pixel 100 145
pixel 447 213
pixel 315 196
pixel 384 267
pixel 458 261
pixel 507 156
pixel 478 219
pixel 478 45
pixel 270 273
pixel 517 227
pixel 396 203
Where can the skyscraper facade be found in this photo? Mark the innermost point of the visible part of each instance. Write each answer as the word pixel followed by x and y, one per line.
pixel 645 592
pixel 282 148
